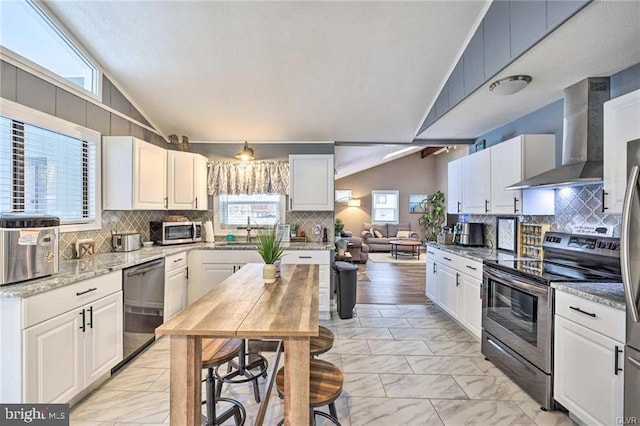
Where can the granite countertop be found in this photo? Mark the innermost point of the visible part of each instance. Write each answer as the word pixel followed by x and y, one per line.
pixel 72 271
pixel 478 254
pixel 610 294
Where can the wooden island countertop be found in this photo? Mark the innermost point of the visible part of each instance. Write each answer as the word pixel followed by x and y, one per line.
pixel 243 306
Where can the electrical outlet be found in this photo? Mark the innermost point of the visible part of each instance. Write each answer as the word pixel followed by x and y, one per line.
pixel 317 229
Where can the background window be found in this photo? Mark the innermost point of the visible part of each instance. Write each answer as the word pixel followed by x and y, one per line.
pixel 27 31
pixel 261 209
pixel 384 206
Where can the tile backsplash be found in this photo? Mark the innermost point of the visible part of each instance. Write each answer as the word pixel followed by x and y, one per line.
pixel 137 221
pixel 580 205
pixel 307 221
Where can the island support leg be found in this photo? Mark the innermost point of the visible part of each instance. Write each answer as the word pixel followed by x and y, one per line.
pixel 296 381
pixel 186 365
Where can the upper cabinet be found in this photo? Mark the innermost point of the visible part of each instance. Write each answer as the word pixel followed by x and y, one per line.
pixel 137 175
pixel 526 156
pixel 454 187
pixel 476 182
pixel 311 182
pixel 621 125
pixel 186 183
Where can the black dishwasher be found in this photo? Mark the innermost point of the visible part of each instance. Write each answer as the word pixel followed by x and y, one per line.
pixel 143 298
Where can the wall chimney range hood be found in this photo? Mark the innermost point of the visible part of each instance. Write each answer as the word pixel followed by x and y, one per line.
pixel 582 138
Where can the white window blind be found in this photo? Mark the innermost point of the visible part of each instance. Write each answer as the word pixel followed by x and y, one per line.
pixel 45 172
pixel 385 206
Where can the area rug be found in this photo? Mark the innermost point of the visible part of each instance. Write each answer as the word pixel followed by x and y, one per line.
pixel 403 259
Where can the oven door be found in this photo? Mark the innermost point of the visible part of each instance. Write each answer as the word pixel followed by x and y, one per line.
pixel 519 314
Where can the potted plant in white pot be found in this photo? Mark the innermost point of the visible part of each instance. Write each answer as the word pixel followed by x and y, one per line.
pixel 270 249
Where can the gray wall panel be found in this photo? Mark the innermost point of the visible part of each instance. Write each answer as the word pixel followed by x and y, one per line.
pixel 35 93
pixel 473 62
pixel 497 50
pixel 98 119
pixel 106 91
pixel 528 23
pixel 625 81
pixel 8 81
pixel 137 131
pixel 120 126
pixel 119 102
pixel 456 84
pixel 559 11
pixel 71 107
pixel 271 151
pixel 442 103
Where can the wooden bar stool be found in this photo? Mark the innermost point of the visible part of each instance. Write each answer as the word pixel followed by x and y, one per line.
pixel 325 387
pixel 243 371
pixel 321 343
pixel 214 353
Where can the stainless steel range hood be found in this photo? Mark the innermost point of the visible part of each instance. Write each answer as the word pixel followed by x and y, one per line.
pixel 582 138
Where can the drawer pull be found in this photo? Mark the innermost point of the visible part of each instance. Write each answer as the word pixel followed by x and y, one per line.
pixel 616 366
pixel 177 260
pixel 582 312
pixel 472 267
pixel 447 259
pixel 430 252
pixel 304 257
pixel 86 291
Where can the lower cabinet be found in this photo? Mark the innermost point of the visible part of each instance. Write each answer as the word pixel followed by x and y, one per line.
pixel 454 284
pixel 323 260
pixel 214 273
pixel 175 292
pixel 67 353
pixel 586 379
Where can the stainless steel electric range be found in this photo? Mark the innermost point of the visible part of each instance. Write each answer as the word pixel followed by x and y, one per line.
pixel 517 305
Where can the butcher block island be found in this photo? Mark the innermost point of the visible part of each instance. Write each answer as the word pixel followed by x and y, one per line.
pixel 243 306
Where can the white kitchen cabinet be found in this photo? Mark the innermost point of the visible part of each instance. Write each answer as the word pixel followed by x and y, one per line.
pixel 621 125
pixel 476 182
pixel 57 343
pixel 53 356
pixel 517 159
pixel 323 260
pixel 454 186
pixel 470 304
pixel 584 378
pixel 214 273
pixel 311 182
pixel 133 174
pixel 67 353
pixel 186 181
pixel 454 284
pixel 176 282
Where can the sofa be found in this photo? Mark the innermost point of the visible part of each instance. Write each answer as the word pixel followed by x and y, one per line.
pixel 358 249
pixel 388 232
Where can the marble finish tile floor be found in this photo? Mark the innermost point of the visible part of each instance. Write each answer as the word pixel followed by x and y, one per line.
pixel 402 364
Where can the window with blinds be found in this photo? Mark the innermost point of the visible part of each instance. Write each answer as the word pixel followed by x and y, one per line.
pixel 45 172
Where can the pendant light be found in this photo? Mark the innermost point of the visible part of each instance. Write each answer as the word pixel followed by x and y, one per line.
pixel 246 154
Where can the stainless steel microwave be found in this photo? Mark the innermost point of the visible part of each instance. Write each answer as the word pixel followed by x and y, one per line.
pixel 167 233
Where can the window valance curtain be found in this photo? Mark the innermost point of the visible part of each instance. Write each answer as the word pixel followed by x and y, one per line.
pixel 256 177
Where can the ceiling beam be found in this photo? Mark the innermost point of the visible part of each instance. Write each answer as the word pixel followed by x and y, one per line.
pixel 429 150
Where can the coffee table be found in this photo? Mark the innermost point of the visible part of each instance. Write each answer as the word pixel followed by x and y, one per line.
pixel 412 245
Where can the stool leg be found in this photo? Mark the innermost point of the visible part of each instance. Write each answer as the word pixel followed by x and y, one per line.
pixel 332 410
pixel 211 402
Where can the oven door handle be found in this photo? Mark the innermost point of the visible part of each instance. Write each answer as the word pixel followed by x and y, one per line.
pixel 511 281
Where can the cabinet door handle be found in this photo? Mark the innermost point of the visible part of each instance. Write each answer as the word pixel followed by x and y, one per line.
pixel 434 267
pixel 616 365
pixel 234 269
pixel 515 205
pixel 186 272
pixel 166 202
pixel 473 268
pixel 604 208
pixel 582 312
pixel 446 258
pixel 457 279
pixel 459 206
pixel 90 324
pixel 86 291
pixel 83 327
pixel 486 206
pixel 196 203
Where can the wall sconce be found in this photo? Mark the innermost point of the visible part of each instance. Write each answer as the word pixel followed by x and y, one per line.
pixel 246 154
pixel 180 145
pixel 354 202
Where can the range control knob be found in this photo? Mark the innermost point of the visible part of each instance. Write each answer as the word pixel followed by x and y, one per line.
pixel 614 246
pixel 602 244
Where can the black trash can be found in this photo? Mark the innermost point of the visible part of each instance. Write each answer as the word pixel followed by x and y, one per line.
pixel 346 280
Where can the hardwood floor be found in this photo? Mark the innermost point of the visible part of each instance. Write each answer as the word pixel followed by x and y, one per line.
pixel 393 284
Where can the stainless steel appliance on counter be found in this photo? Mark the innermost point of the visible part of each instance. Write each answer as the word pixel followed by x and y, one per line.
pixel 630 260
pixel 469 234
pixel 28 246
pixel 517 305
pixel 126 242
pixel 166 233
pixel 143 295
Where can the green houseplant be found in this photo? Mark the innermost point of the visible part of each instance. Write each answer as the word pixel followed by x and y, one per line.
pixel 338 227
pixel 270 248
pixel 433 215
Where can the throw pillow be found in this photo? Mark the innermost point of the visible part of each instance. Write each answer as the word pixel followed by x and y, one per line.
pixel 403 234
pixel 377 233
